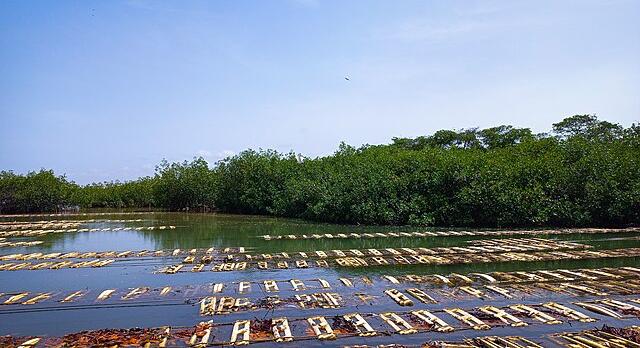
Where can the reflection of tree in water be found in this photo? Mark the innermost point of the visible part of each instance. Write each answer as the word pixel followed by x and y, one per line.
pixel 56 241
pixel 219 230
pixel 222 231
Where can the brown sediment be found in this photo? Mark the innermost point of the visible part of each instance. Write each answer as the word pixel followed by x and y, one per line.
pixel 260 329
pixel 109 337
pixel 13 342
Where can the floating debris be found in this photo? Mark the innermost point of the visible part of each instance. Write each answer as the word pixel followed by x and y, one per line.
pixel 421 296
pixel 42 232
pixel 73 296
pixel 568 312
pixel 346 282
pixel 496 341
pixel 325 284
pixel 165 291
pixel 400 325
pixel 105 294
pixel 399 297
pixel 429 234
pixel 37 298
pixel 73 214
pixel 610 307
pixel 136 292
pixel 432 321
pixel 201 334
pixel 535 314
pixel 599 309
pixel 244 287
pixel 172 269
pixel 15 298
pixel 217 288
pixel 321 328
pixel 32 342
pixel 240 334
pixel 57 224
pixel 472 291
pixel 467 318
pixel 297 285
pixel 502 315
pixel 20 244
pixel 359 325
pixel 271 286
pixel 508 288
pixel 104 254
pixel 442 260
pixel 319 300
pixel 281 330
pixel 605 337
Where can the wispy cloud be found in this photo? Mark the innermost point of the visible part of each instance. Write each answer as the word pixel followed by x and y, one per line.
pixel 456 22
pixel 421 31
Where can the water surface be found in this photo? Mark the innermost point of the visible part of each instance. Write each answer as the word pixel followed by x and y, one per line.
pixel 219 231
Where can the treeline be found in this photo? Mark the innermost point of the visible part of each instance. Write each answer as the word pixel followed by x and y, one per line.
pixel 584 172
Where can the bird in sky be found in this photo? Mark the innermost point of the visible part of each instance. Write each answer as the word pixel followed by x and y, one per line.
pixel 347 78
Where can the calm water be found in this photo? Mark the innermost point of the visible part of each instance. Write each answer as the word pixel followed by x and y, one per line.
pixel 216 230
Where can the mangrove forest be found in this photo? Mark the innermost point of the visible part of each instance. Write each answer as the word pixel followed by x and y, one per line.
pixel 583 172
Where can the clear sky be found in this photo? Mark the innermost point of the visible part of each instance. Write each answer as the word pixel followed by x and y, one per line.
pixel 104 90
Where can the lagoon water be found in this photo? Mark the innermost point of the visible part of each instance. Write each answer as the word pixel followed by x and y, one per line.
pixel 220 231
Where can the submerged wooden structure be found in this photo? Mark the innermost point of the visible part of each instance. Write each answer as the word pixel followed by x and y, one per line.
pixel 346 292
pixel 282 330
pixel 451 233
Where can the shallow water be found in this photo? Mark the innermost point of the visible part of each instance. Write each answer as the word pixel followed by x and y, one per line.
pixel 219 231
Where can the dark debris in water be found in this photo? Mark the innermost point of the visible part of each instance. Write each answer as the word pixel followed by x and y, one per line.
pixel 260 329
pixel 631 334
pixel 134 337
pixel 633 312
pixel 343 326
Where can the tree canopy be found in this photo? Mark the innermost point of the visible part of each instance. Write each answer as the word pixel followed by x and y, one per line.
pixel 584 172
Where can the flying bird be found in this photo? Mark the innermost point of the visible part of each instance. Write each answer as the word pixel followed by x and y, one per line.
pixel 347 78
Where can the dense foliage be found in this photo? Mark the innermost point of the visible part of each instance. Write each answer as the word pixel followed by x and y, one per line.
pixel 34 192
pixel 585 172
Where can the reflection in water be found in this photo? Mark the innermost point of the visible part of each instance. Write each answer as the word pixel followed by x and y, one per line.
pixel 218 230
pixel 221 230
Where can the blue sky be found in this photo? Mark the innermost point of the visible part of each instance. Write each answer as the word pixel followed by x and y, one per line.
pixel 103 90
